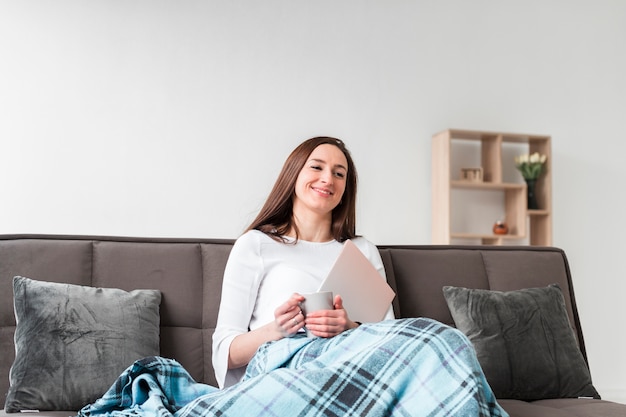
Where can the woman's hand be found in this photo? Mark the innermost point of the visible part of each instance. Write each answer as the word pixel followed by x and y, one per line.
pixel 329 323
pixel 288 316
pixel 288 320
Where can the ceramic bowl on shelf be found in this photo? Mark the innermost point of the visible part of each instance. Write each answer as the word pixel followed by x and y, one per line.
pixel 500 228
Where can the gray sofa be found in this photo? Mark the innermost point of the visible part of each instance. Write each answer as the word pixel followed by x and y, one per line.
pixel 188 273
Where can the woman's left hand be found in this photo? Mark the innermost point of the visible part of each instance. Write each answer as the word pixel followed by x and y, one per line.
pixel 329 323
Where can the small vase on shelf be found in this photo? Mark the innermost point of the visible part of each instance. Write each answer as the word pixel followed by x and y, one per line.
pixel 500 228
pixel 532 196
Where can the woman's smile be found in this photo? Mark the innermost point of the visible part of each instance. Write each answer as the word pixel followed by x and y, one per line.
pixel 323 192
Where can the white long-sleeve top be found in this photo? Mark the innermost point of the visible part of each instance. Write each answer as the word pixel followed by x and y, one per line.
pixel 261 274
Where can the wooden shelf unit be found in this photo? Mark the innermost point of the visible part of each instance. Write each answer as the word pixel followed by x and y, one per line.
pixel 521 221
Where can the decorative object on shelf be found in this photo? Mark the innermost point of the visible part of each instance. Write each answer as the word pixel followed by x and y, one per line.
pixel 531 195
pixel 500 228
pixel 472 174
pixel 531 167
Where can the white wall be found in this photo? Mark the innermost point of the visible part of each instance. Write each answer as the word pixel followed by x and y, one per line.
pixel 164 118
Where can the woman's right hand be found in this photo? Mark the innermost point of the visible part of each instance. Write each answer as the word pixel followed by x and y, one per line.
pixel 288 320
pixel 288 317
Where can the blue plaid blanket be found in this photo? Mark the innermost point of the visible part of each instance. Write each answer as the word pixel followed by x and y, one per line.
pixel 408 367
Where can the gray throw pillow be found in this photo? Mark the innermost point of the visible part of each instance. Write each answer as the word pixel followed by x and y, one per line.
pixel 524 342
pixel 72 342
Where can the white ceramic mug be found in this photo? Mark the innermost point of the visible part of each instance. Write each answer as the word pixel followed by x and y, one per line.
pixel 322 300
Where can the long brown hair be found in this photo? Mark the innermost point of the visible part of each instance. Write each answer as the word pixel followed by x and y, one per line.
pixel 276 217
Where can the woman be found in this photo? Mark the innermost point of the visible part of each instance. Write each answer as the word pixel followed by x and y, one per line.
pixel 394 367
pixel 287 251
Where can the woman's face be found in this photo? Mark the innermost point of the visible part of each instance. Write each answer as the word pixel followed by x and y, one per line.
pixel 322 180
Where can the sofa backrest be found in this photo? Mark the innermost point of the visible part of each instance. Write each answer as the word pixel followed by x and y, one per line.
pixel 419 272
pixel 189 272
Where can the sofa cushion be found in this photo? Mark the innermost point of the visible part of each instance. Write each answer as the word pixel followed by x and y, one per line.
pixel 523 340
pixel 72 341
